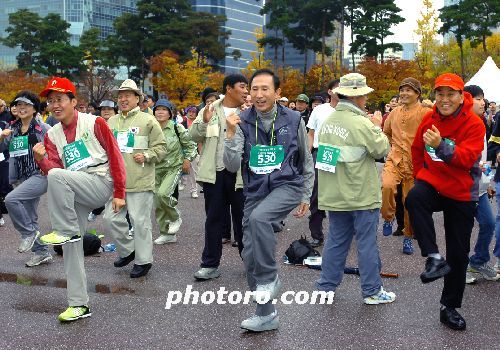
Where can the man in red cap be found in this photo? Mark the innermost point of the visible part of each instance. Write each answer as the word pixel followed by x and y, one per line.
pixel 85 169
pixel 400 127
pixel 446 153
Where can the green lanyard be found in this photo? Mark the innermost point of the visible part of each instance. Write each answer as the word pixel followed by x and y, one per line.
pixel 272 130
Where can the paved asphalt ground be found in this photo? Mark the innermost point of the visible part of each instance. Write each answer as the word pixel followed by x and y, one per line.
pixel 130 314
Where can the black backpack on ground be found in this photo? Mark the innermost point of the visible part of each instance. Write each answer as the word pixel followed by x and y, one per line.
pixel 91 245
pixel 299 250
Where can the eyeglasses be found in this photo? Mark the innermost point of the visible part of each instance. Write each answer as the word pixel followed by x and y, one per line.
pixel 58 100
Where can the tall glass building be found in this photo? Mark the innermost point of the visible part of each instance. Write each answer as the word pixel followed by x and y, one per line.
pixel 81 14
pixel 243 18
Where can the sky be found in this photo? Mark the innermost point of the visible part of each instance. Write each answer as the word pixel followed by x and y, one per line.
pixel 404 31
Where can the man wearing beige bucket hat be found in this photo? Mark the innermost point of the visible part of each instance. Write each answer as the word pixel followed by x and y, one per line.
pixel 142 144
pixel 349 188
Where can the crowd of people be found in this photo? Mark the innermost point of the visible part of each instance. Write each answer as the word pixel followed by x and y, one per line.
pixel 257 156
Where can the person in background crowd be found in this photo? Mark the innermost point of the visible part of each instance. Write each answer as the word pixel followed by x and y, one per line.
pixel 318 116
pixel 283 101
pixel 445 154
pixel 92 108
pixel 479 261
pixel 393 103
pixel 301 106
pixel 13 111
pixel 291 105
pixel 30 184
pixel 190 176
pixel 144 104
pixel 181 151
pixel 82 107
pixel 5 187
pixel 221 188
pixel 316 101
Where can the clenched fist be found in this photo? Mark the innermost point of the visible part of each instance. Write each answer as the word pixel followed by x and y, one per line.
pixel 232 121
pixel 5 133
pixel 39 151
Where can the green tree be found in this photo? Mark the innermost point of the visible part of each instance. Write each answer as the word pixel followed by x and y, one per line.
pixel 373 26
pixel 486 15
pixel 457 21
pixel 22 32
pixel 161 25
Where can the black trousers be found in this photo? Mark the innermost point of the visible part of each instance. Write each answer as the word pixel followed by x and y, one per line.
pixel 317 216
pixel 218 197
pixel 422 201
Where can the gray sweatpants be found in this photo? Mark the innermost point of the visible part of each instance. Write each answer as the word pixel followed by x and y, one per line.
pixel 259 239
pixel 22 204
pixel 72 195
pixel 139 206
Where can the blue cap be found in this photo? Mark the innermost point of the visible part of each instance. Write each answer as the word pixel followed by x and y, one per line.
pixel 165 103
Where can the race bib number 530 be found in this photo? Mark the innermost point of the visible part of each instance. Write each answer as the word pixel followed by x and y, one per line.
pixel 76 156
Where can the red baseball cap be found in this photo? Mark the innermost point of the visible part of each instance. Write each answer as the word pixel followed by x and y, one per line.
pixel 450 80
pixel 58 84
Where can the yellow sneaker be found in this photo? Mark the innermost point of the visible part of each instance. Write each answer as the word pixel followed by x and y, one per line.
pixel 55 238
pixel 74 313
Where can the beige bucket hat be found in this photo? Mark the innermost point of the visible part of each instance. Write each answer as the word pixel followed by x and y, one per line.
pixel 353 84
pixel 129 85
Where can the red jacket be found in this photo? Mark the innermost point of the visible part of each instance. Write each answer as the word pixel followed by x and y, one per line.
pixel 453 170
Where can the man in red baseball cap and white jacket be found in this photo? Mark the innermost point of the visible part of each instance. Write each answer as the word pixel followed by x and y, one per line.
pixel 446 154
pixel 84 168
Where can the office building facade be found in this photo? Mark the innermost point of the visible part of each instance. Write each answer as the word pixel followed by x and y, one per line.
pixel 81 15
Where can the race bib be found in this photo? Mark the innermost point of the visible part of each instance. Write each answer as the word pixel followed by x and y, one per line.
pixel 19 146
pixel 266 159
pixel 432 152
pixel 2 157
pixel 327 158
pixel 76 156
pixel 125 140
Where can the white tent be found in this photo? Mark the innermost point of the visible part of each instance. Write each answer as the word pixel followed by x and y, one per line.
pixel 488 79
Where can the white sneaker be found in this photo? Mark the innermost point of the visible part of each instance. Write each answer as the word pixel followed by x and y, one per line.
pixel 267 291
pixel 91 217
pixel 262 323
pixel 181 187
pixel 207 273
pixel 194 194
pixel 382 297
pixel 2 222
pixel 27 243
pixel 175 226
pixel 497 266
pixel 469 279
pixel 131 232
pixel 38 260
pixel 163 239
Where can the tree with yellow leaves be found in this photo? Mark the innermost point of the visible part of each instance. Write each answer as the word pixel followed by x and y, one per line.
pixel 258 61
pixel 427 27
pixel 181 82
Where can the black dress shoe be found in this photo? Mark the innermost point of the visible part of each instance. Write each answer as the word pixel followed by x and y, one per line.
pixel 120 262
pixel 450 317
pixel 315 243
pixel 140 270
pixel 434 269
